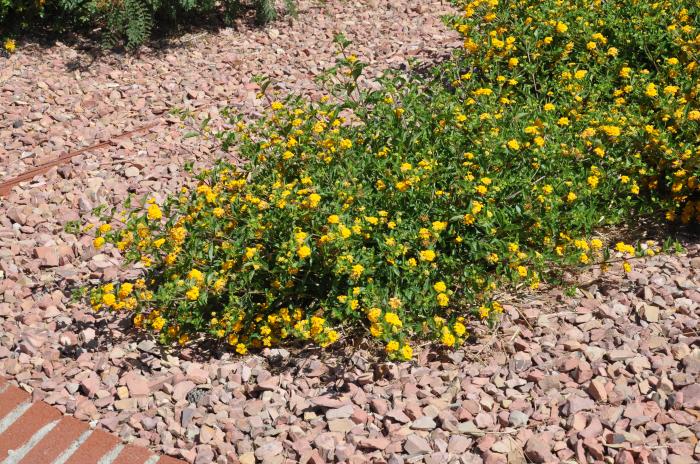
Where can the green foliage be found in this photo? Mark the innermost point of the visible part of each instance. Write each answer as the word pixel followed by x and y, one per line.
pixel 404 210
pixel 128 22
pixel 265 11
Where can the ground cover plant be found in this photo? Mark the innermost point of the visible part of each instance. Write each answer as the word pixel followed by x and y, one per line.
pixel 402 210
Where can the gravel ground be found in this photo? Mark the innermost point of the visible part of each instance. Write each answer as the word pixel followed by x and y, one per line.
pixel 607 375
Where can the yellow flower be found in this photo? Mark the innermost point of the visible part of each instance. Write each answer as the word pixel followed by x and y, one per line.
pixel 522 271
pixel 192 294
pixel 154 212
pixel 571 197
pixel 611 131
pixel 98 242
pixel 439 226
pixel 332 336
pixel 564 121
pixel 392 346
pixel 622 247
pixel 459 329
pixel 178 234
pixel 592 181
pixel 300 236
pixel 10 45
pixel 443 299
pixel 625 72
pixel 627 266
pixel 125 290
pixel 109 299
pixel 513 144
pixel 427 255
pixel 333 219
pixel 250 252
pixel 304 252
pixel 407 352
pixel 562 28
pixel 484 311
pixel 277 105
pixel 447 338
pixel 314 200
pixel 670 89
pixel 393 319
pixel 345 144
pixel 440 286
pixel 219 285
pixel 357 271
pixel 158 323
pixel 549 107
pixel 650 90
pixel 373 314
pixel 196 275
pixel 241 349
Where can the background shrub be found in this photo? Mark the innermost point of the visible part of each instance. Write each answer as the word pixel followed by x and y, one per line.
pixel 128 22
pixel 401 211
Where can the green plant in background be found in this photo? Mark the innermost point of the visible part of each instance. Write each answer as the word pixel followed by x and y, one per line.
pixel 265 11
pixel 403 210
pixel 128 22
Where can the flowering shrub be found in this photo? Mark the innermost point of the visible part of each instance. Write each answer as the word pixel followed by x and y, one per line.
pixel 402 210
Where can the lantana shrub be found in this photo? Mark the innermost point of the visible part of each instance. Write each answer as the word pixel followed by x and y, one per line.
pixel 402 210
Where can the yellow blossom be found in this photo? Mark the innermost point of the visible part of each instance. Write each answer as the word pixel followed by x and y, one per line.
pixel 392 346
pixel 304 252
pixel 154 212
pixel 406 352
pixel 10 45
pixel 192 294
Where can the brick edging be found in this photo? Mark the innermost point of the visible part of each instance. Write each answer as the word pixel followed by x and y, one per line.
pixel 36 433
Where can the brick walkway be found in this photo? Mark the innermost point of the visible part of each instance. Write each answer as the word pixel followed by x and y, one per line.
pixel 36 433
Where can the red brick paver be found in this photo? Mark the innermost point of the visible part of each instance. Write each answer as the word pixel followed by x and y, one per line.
pixel 97 445
pixel 10 399
pixel 22 429
pixel 133 455
pixel 56 442
pixel 36 433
